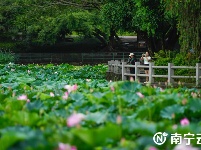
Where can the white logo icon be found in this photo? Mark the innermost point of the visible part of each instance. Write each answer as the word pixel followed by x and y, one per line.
pixel 160 138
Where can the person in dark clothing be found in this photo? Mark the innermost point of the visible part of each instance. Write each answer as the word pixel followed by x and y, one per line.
pixel 129 59
pixel 132 62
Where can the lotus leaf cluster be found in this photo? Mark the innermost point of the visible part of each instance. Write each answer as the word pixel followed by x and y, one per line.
pixel 65 107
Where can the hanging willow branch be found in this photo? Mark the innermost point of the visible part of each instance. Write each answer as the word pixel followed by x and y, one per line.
pixel 188 13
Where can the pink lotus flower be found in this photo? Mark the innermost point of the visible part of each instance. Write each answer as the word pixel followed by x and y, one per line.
pixel 73 148
pixel 71 88
pixel 184 122
pixel 75 119
pixel 140 95
pixel 51 94
pixel 74 87
pixel 67 87
pixel 112 88
pixel 65 96
pixel 22 97
pixel 63 146
pixel 152 148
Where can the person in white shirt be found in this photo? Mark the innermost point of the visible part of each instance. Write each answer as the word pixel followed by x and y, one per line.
pixel 146 58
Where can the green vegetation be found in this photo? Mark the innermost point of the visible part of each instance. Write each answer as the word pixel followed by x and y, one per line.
pixel 178 59
pixel 65 107
pixel 162 22
pixel 188 14
pixel 6 57
pixel 42 107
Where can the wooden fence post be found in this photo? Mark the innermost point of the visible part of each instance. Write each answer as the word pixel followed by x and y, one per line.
pixel 116 66
pixel 112 67
pixel 109 66
pixel 137 71
pixel 170 73
pixel 151 72
pixel 198 74
pixel 123 71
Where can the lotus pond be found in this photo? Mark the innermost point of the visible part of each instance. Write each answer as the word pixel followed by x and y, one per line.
pixel 65 107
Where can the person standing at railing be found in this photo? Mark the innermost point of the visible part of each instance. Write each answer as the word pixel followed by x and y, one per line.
pixel 129 59
pixel 132 62
pixel 146 58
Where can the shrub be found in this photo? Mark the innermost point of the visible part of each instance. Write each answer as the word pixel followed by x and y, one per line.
pixel 162 59
pixel 6 57
pixel 178 59
pixel 182 59
pixel 7 45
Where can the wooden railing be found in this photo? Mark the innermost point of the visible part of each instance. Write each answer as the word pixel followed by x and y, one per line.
pixel 118 67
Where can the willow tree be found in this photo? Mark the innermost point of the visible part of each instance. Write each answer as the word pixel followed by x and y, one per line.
pixel 188 13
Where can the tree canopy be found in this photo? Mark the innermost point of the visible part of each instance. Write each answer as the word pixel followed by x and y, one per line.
pixel 50 21
pixel 188 15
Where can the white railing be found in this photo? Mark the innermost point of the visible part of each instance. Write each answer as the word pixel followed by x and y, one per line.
pixel 118 67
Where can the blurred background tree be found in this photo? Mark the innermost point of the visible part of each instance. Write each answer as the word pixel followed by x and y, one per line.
pixel 47 22
pixel 188 16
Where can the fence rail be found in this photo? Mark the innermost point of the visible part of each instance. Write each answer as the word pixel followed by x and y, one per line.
pixel 73 57
pixel 118 67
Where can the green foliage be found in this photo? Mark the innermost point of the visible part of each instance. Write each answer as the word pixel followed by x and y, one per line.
pixel 6 57
pixel 178 59
pixel 127 33
pixel 150 16
pixel 54 27
pixel 116 117
pixel 182 60
pixel 117 15
pixel 50 21
pixel 45 22
pixel 7 46
pixel 188 16
pixel 162 59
